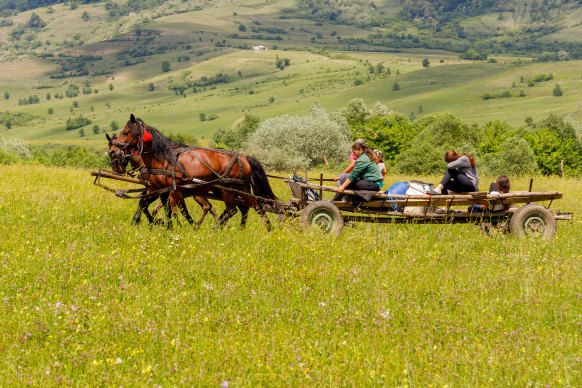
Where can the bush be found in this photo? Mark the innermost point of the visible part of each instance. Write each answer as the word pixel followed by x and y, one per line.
pixel 235 137
pixel 70 156
pixel 288 142
pixel 77 122
pixel 557 92
pixel 420 158
pixel 515 158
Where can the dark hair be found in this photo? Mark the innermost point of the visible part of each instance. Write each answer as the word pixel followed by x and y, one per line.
pixel 451 156
pixel 364 147
pixel 502 183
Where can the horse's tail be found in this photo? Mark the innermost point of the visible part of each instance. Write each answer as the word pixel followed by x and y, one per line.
pixel 259 181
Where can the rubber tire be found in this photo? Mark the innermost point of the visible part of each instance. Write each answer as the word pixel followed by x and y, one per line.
pixel 533 220
pixel 323 215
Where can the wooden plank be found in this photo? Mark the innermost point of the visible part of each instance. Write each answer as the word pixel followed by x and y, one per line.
pixel 477 198
pixel 108 175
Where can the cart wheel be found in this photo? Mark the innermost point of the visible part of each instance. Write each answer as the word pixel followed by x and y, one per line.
pixel 533 220
pixel 323 215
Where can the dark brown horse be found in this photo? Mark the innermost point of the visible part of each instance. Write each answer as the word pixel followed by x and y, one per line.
pixel 119 163
pixel 194 171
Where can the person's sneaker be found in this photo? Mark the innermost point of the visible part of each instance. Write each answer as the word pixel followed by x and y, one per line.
pixel 433 191
pixel 442 210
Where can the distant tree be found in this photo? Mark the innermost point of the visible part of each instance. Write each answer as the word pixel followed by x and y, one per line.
pixel 114 126
pixel 165 66
pixel 48 95
pixel 271 100
pixel 202 116
pixel 6 95
pixel 557 92
pixel 151 87
pixel 35 21
pixel 51 111
pixel 242 28
pixel 529 120
pixel 425 62
pixel 395 86
pixel 379 68
pixel 85 16
pixel 522 93
pixel 371 68
pixel 111 87
pixel 95 129
pixel 75 104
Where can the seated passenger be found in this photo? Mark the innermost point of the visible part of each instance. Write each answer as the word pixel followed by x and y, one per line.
pixel 461 175
pixel 500 186
pixel 365 175
pixel 381 164
pixel 343 176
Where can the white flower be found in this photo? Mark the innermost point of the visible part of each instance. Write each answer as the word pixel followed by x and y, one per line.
pixel 322 304
pixel 118 361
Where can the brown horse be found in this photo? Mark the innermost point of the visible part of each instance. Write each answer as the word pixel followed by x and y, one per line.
pixel 119 163
pixel 194 171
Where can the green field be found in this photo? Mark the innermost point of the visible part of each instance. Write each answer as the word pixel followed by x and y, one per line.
pixel 89 300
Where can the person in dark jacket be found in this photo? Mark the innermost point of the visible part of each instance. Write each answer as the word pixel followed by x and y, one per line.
pixel 461 175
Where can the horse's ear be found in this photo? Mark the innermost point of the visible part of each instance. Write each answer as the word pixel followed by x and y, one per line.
pixel 132 118
pixel 108 138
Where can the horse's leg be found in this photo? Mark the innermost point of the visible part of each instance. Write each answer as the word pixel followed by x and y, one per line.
pixel 244 210
pixel 228 198
pixel 178 199
pixel 206 207
pixel 168 207
pixel 259 209
pixel 142 207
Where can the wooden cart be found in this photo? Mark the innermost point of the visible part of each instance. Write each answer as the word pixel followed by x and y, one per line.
pixel 530 219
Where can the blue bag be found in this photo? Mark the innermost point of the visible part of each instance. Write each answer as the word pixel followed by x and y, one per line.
pixel 398 188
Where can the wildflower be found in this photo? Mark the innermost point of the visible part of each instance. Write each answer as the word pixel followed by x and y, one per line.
pixel 118 361
pixel 322 304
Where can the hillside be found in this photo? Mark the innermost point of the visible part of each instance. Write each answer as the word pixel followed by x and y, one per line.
pixel 190 67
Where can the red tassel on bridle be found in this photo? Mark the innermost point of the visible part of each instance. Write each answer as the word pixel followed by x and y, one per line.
pixel 147 136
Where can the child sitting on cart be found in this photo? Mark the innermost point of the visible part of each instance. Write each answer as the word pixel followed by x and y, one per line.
pixel 365 175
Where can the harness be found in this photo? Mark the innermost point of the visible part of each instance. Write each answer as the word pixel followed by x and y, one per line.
pixel 176 170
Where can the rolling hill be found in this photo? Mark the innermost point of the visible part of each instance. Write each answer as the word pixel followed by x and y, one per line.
pixel 190 66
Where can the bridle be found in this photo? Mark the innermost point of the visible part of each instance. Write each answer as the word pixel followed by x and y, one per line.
pixel 126 150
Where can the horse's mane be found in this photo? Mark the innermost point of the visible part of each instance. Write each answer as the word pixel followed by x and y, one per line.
pixel 162 147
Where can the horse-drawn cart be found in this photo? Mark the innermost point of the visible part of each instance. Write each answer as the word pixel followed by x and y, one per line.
pixel 529 219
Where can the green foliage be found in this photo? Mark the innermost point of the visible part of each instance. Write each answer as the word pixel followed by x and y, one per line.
pixel 50 111
pixel 359 13
pixel 183 138
pixel 236 137
pixel 287 142
pixel 554 140
pixel 473 55
pixel 513 157
pixel 114 126
pixel 72 91
pixel 420 158
pixel 281 63
pixel 165 66
pixel 35 22
pixel 390 132
pixel 6 95
pixel 10 119
pixel 77 122
pixel 425 62
pixel 95 129
pixel 557 92
pixel 70 156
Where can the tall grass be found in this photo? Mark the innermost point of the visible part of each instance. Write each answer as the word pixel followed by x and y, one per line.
pixel 88 299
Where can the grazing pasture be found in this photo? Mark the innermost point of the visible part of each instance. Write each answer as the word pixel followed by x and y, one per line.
pixel 87 299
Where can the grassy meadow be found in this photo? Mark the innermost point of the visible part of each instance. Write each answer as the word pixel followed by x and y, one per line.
pixel 86 299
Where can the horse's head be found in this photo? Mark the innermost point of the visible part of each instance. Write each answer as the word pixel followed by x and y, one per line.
pixel 118 159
